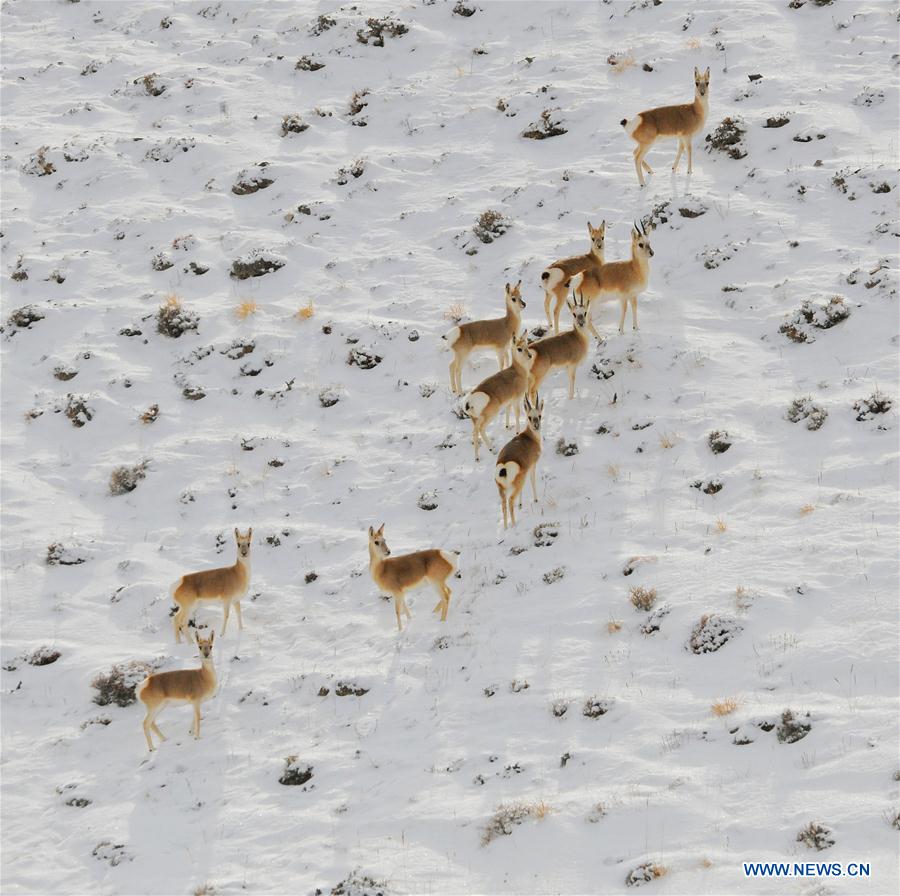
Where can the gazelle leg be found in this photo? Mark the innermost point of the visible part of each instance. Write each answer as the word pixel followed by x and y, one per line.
pixel 503 506
pixel 557 309
pixel 548 295
pixel 227 614
pixel 624 304
pixel 148 724
pixel 453 377
pixel 572 382
pixel 690 151
pixel 398 603
pixel 440 590
pixel 678 155
pixel 507 416
pixel 637 164
pixel 159 733
pixel 501 358
pixel 237 606
pixel 446 602
pixel 534 482
pixel 475 436
pixel 484 436
pixel 518 412
pixel 196 721
pixel 633 301
pixel 591 326
pixel 512 508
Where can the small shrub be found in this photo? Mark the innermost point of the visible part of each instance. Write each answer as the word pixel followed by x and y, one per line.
pixel 719 441
pixel 546 126
pixel 358 884
pixel 712 487
pixel 566 449
pixel 490 225
pixel 39 165
pixel 256 264
pixel 876 403
pixel 724 707
pixel 292 124
pixel 295 773
pixel 510 815
pixel 150 84
pixel 727 138
pixel 247 184
pixel 644 874
pixel 322 24
pixel 150 415
pixel 791 728
pixel 377 29
pixel 455 313
pixel 43 656
pixel 462 10
pixel 805 409
pixel 712 632
pixel 118 685
pixel 59 555
pixel 545 534
pixel 77 410
pixel 816 836
pixel 161 262
pixel 306 312
pixel 342 689
pixel 594 708
pixel 427 501
pixel 306 64
pixel 355 170
pixel 776 121
pixel 173 320
pixel 125 479
pixel 329 396
pixel 357 101
pixel 643 598
pixel 653 622
pixel 245 309
pixel 24 317
pixel 554 575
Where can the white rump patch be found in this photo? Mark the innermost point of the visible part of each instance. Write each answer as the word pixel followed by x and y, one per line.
pixel 512 472
pixel 476 403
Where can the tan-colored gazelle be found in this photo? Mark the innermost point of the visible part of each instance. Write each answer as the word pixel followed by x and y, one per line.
pixel 504 389
pixel 557 275
pixel 681 122
pixel 496 333
pixel 517 462
pixel 621 281
pixel 226 585
pixel 397 575
pixel 566 350
pixel 193 686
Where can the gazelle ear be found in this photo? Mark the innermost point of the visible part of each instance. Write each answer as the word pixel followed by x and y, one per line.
pixel 371 531
pixel 507 288
pixel 518 284
pixel 603 226
pixel 707 73
pixel 197 637
pixel 250 532
pixel 236 533
pixel 696 72
pixel 212 637
pixel 590 229
pixel 381 530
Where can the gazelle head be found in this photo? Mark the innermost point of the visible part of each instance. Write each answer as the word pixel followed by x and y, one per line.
pixel 514 296
pixel 597 235
pixel 377 542
pixel 243 542
pixel 701 82
pixel 579 310
pixel 640 241
pixel 205 644
pixel 522 353
pixel 534 412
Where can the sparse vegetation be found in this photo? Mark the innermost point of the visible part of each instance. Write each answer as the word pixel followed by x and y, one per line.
pixel 719 441
pixel 728 138
pixel 292 124
pixel 791 728
pixel 118 685
pixel 377 29
pixel 24 317
pixel 548 125
pixel 173 320
pixel 256 264
pixel 125 479
pixel 724 707
pixel 77 410
pixel 876 403
pixel 642 598
pixel 306 311
pixel 594 707
pixel 712 632
pixel 816 836
pixel 806 409
pixel 245 309
pixel 814 316
pixel 308 64
pixel 295 773
pixel 490 225
pixel 510 815
pixel 644 874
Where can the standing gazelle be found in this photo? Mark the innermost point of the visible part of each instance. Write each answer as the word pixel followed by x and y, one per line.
pixel 517 461
pixel 557 275
pixel 681 122
pixel 193 686
pixel 505 388
pixel 619 280
pixel 496 333
pixel 226 585
pixel 397 575
pixel 567 349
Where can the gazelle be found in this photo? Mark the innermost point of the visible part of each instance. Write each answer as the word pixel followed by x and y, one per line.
pixel 505 388
pixel 556 276
pixel 681 122
pixel 567 349
pixel 226 585
pixel 397 575
pixel 193 686
pixel 518 460
pixel 496 333
pixel 619 280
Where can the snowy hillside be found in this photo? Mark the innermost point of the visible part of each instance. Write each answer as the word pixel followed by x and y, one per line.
pixel 683 656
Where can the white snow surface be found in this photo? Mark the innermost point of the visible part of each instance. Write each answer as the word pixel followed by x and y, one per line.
pixel 798 550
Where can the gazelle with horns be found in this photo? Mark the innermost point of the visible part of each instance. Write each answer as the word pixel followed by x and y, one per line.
pixel 565 350
pixel 397 575
pixel 682 122
pixel 621 281
pixel 517 462
pixel 496 333
pixel 557 275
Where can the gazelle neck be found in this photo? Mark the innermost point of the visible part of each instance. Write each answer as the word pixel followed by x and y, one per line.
pixel 596 254
pixel 208 667
pixel 376 561
pixel 701 104
pixel 513 317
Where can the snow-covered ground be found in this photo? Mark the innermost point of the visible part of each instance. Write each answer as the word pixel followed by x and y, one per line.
pixel 794 558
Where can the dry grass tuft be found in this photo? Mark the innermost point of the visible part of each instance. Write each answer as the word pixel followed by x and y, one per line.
pixel 245 309
pixel 807 509
pixel 620 62
pixel 693 43
pixel 455 313
pixel 509 815
pixel 643 598
pixel 721 526
pixel 724 707
pixel 667 440
pixel 306 312
pixel 612 470
pixel 613 626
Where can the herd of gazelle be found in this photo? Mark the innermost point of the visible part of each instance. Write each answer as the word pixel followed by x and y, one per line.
pixel 523 367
